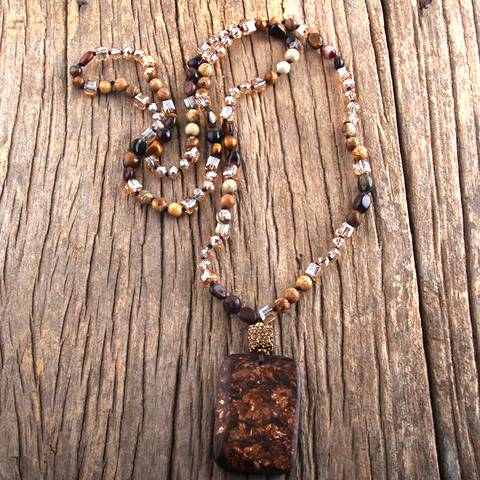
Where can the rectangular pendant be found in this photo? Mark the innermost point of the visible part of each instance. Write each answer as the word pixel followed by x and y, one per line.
pixel 257 414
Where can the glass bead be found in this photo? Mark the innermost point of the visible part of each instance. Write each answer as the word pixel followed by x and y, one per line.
pixel 218 291
pixel 259 85
pixel 153 107
pixel 212 163
pixel 247 26
pixel 138 54
pixel 206 252
pixel 234 92
pixel 210 56
pixel 234 31
pixel 344 74
pixel 102 53
pixel 339 242
pixel 344 230
pixel 232 304
pixel 90 89
pixel 303 30
pixel 174 172
pixel 141 101
pixel 267 314
pixel 149 135
pixel 314 271
pixel 213 40
pixel 190 205
pixel 296 45
pixel 168 106
pixel 203 101
pixel 324 262
pixel 133 187
pixel 365 183
pixel 216 241
pixel 220 50
pixel 353 106
pixel 151 163
pixel 351 117
pixel 233 159
pixel 348 83
pixel 362 202
pixel 227 113
pixel 226 41
pixel 208 277
pixel 184 164
pixel 204 264
pixel 223 230
pixel 334 254
pixel 204 47
pixel 161 171
pixel 127 53
pixel 157 125
pixel 158 116
pixel 208 186
pixel 245 87
pixel 230 100
pixel 230 172
pixel 193 154
pixel 75 71
pixel 115 53
pixel 190 102
pixel 198 194
pixel 361 167
pixel 211 176
pixel 350 95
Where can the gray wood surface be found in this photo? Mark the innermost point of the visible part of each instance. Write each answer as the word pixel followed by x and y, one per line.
pixel 109 344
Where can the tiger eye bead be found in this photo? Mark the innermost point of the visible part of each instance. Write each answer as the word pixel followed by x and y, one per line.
pixel 163 94
pixel 227 201
pixel 354 218
pixel 175 209
pixel 159 204
pixel 352 143
pixel 291 24
pixel 204 82
pixel 292 295
pixel 230 142
pixel 216 150
pixel 155 149
pixel 105 86
pixel 277 30
pixel 359 153
pixel 304 283
pixel 271 77
pixel 315 40
pixel 130 160
pixel 155 84
pixel 78 83
pixel 191 142
pixel 261 24
pixel 75 71
pixel 365 183
pixel 120 85
pixel 170 120
pixel 193 116
pixel 282 305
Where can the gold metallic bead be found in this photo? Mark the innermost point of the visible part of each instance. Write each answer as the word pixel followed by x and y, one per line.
pixel 260 338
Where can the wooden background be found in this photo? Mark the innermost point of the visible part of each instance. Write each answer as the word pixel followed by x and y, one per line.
pixel 109 344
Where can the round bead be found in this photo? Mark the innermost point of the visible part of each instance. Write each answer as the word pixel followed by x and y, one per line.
pixel 193 116
pixel 232 304
pixel 120 85
pixel 201 91
pixel 105 86
pixel 277 30
pixel 304 283
pixel 227 127
pixel 248 315
pixel 192 129
pixel 155 84
pixel 271 77
pixel 204 82
pixel 233 159
pixel 175 209
pixel 261 24
pixel 216 150
pixel 224 216
pixel 78 83
pixel 292 55
pixel 229 186
pixel 359 153
pixel 292 295
pixel 291 24
pixel 154 149
pixel 75 70
pixel 230 142
pixel 282 305
pixel 328 51
pixel 338 62
pixel 159 204
pixel 164 135
pixel 205 69
pixel 163 94
pixel 315 40
pixel 132 91
pixel 195 62
pixel 191 142
pixel 214 135
pixel 354 218
pixel 362 202
pixel 365 183
pixel 170 120
pixel 349 129
pixel 228 201
pixel 138 146
pixel 352 143
pixel 145 197
pixel 189 88
pixel 283 68
pixel 192 75
pixel 150 73
pixel 218 291
pixel 130 160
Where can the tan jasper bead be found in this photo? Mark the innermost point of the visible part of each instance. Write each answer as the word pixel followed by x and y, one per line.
pixel 191 142
pixel 163 94
pixel 352 143
pixel 120 84
pixel 205 69
pixel 133 91
pixel 359 153
pixel 282 305
pixel 271 77
pixel 193 116
pixel 304 282
pixel 155 84
pixel 228 201
pixel 105 86
pixel 192 129
pixel 159 204
pixel 175 209
pixel 292 295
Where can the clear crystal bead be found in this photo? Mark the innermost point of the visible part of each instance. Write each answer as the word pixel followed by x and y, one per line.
pixel 259 85
pixel 339 242
pixel 208 186
pixel 350 95
pixel 267 314
pixel 198 194
pixel 133 187
pixel 190 204
pixel 247 26
pixel 148 61
pixel 161 171
pixel 230 172
pixel 213 40
pixel 115 53
pixel 314 271
pixel 206 252
pixel 90 89
pixel 212 163
pixel 303 30
pixel 204 47
pixel 234 92
pixel 174 172
pixel 153 107
pixel 190 102
pixel 230 100
pixel 227 113
pixel 151 163
pixel 168 106
pixel 127 53
pixel 361 167
pixel 208 277
pixel 344 74
pixel 334 253
pixel 210 56
pixel 157 125
pixel 184 164
pixel 351 117
pixel 220 50
pixel 226 41
pixel 344 230
pixel 149 135
pixel 245 87
pixel 193 154
pixel 353 106
pixel 216 241
pixel 102 53
pixel 138 54
pixel 348 83
pixel 158 116
pixel 211 175
pixel 204 264
pixel 223 229
pixel 235 32
pixel 203 101
pixel 324 262
pixel 141 101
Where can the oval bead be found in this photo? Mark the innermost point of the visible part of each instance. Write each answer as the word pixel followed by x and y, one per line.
pixel 138 146
pixel 86 58
pixel 164 135
pixel 328 51
pixel 362 202
pixel 354 218
pixel 195 62
pixel 189 88
pixel 232 304
pixel 227 127
pixel 217 291
pixel 365 183
pixel 214 135
pixel 192 75
pixel 233 159
pixel 210 117
pixel 170 121
pixel 129 174
pixel 130 160
pixel 248 315
pixel 315 40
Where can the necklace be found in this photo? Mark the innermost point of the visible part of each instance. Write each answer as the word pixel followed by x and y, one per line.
pixel 257 408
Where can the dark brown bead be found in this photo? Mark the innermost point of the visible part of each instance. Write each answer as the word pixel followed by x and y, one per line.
pixel 132 91
pixel 204 82
pixel 277 30
pixel 129 174
pixel 78 83
pixel 154 149
pixel 189 88
pixel 210 117
pixel 192 141
pixel 354 218
pixel 271 77
pixel 138 146
pixel 195 62
pixel 352 143
pixel 232 304
pixel 315 40
pixel 163 94
pixel 130 160
pixel 75 70
pixel 362 202
pixel 217 291
pixel 192 75
pixel 164 135
pixel 228 201
pixel 233 159
pixel 230 142
pixel 261 24
pixel 248 315
pixel 227 127
pixel 170 120
pixel 291 24
pixel 338 62
pixel 86 58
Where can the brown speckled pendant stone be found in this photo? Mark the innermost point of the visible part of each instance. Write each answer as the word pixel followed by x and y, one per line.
pixel 257 414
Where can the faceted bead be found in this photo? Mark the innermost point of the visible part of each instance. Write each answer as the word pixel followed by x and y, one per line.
pixel 211 175
pixel 155 149
pixel 133 187
pixel 271 77
pixel 190 205
pixel 192 75
pixel 328 51
pixel 174 172
pixel 227 128
pixel 247 26
pixel 159 204
pixel 193 154
pixel 302 30
pixel 259 85
pixel 164 135
pixel 208 186
pixel 185 164
pixel 75 70
pixel 138 146
pixel 345 75
pixel 282 305
pixel 351 117
pixel 115 53
pixel 161 171
pixel 230 172
pixel 360 153
pixel 210 117
pixel 248 315
pixel 344 230
pixel 365 183
pixel 216 241
pixel 324 261
pixel 206 252
pixel 198 194
pixel 362 202
pixel 90 89
pixel 277 30
pixel 292 295
pixel 227 112
pixel 314 271
pixel 304 283
pixel 195 62
pixel 289 39
pixel 189 88
pixel 151 163
pixel 127 53
pixel 86 58
pixel 333 254
pixel 228 201
pixel 130 160
pixel 232 304
pixel 208 277
pixel 267 314
pixel 315 40
pixel 78 83
pixel 175 209
pixel 233 158
pixel 102 53
pixel 234 91
pixel 339 242
pixel 338 62
pixel 148 135
pixel 214 135
pixel 223 230
pixel 190 103
pixel 362 166
pixel 352 143
pixel 218 291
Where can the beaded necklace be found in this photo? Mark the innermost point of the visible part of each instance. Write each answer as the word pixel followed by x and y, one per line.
pixel 258 400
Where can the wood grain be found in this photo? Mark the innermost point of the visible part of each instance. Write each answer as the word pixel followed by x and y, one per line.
pixel 109 344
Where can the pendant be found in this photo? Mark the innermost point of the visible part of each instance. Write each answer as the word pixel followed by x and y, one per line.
pixel 257 414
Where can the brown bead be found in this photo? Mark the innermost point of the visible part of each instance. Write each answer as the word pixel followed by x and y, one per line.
pixel 248 315
pixel 292 295
pixel 120 85
pixel 354 218
pixel 352 143
pixel 78 83
pixel 228 201
pixel 304 282
pixel 175 209
pixel 159 204
pixel 133 91
pixel 291 24
pixel 204 82
pixel 218 291
pixel 315 40
pixel 230 143
pixel 155 84
pixel 155 149
pixel 105 86
pixel 282 305
pixel 261 23
pixel 205 69
pixel 271 77
pixel 193 116
pixel 200 91
pixel 75 71
pixel 189 88
pixel 170 120
pixel 275 20
pixel 163 94
pixel 216 150
pixel 130 160
pixel 359 153
pixel 191 142
pixel 150 73
pixel 145 197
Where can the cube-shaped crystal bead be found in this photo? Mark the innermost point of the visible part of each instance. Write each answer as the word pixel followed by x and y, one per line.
pixel 141 101
pixel 203 48
pixel 361 167
pixel 168 106
pixel 133 187
pixel 314 271
pixel 210 56
pixel 247 26
pixel 102 53
pixel 223 230
pixel 203 100
pixel 190 102
pixel 267 314
pixel 344 230
pixel 344 74
pixel 149 135
pixel 190 205
pixel 90 89
pixel 212 163
pixel 161 171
